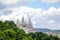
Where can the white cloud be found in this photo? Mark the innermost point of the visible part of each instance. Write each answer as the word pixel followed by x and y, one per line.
pixel 52 11
pixel 9 2
pixel 24 2
pixel 51 22
pixel 51 1
pixel 38 16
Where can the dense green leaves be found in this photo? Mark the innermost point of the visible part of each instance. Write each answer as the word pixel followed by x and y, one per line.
pixel 7 25
pixel 10 34
pixel 27 38
pixel 20 34
pixel 2 35
pixel 9 31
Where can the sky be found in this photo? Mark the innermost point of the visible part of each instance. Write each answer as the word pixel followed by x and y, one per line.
pixel 43 13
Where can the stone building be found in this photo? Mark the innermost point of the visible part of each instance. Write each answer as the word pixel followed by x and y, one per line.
pixel 27 27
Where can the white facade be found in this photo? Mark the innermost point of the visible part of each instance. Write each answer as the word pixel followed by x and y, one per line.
pixel 27 27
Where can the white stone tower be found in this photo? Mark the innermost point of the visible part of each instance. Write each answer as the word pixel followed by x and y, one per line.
pixel 30 23
pixel 26 27
pixel 18 23
pixel 23 23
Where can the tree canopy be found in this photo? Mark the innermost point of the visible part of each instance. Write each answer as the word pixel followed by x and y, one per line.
pixel 9 31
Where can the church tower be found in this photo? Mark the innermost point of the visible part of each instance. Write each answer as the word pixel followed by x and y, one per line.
pixel 18 23
pixel 27 27
pixel 30 23
pixel 23 23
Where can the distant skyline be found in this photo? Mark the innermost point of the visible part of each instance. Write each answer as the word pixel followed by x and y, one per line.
pixel 43 13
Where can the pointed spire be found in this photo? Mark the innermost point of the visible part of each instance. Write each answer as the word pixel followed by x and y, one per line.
pixel 30 23
pixel 18 22
pixel 23 19
pixel 23 23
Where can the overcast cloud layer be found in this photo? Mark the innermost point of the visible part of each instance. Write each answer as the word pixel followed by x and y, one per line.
pixel 40 18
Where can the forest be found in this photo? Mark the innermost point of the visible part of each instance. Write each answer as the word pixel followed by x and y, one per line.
pixel 10 31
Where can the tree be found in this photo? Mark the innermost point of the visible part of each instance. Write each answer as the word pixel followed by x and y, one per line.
pixel 46 38
pixel 2 35
pixel 9 34
pixel 27 38
pixel 32 35
pixel 30 38
pixel 55 38
pixel 20 34
pixel 9 31
pixel 7 25
pixel 40 35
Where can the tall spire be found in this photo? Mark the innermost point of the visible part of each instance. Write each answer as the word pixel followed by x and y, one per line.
pixel 23 19
pixel 30 23
pixel 23 23
pixel 18 24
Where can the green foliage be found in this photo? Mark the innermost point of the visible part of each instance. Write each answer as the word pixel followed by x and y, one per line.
pixel 55 38
pixel 10 34
pixel 46 38
pixel 9 31
pixel 30 38
pixel 20 34
pixel 32 35
pixel 27 38
pixel 40 35
pixel 7 25
pixel 2 35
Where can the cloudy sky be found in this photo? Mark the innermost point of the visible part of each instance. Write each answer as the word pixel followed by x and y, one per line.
pixel 43 13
